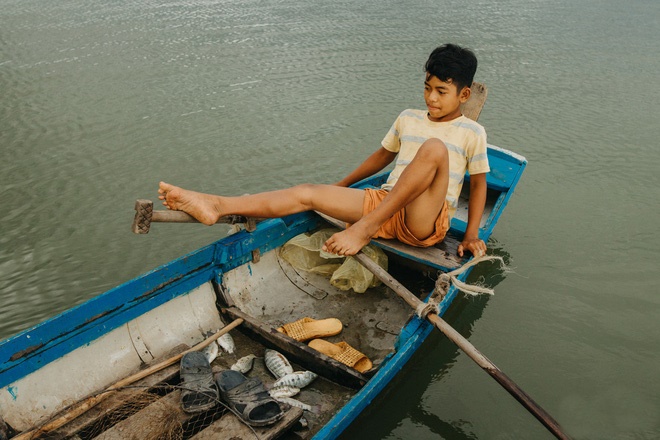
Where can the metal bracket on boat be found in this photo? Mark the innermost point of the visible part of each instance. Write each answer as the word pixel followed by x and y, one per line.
pixel 304 280
pixel 250 224
pixel 223 299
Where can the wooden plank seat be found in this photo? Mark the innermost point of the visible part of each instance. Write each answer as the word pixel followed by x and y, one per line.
pixel 441 256
pixel 472 108
pixel 230 427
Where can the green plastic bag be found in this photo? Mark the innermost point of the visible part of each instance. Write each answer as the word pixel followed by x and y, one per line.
pixel 304 253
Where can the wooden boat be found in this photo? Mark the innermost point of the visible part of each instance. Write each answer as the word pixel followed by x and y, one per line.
pixel 91 347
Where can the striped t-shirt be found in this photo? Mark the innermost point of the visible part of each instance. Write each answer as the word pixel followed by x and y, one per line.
pixel 465 140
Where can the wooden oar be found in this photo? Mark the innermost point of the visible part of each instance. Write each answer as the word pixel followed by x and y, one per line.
pixel 469 349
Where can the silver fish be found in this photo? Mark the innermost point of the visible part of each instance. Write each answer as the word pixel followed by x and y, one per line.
pixel 226 342
pixel 298 404
pixel 298 379
pixel 244 364
pixel 277 363
pixel 283 391
pixel 210 352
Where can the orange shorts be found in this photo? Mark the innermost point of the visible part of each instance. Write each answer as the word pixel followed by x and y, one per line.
pixel 396 227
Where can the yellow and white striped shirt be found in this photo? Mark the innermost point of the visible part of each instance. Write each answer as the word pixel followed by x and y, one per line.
pixel 465 140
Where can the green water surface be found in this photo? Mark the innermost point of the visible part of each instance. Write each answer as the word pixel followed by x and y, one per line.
pixel 102 99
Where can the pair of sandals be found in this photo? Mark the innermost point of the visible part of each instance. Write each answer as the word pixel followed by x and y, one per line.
pixel 248 398
pixel 308 329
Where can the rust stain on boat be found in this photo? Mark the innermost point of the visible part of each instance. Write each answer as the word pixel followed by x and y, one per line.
pixel 148 293
pixel 23 353
pixel 170 281
pixel 100 315
pixel 92 319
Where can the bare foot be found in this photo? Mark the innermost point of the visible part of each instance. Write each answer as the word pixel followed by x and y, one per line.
pixel 347 242
pixel 204 207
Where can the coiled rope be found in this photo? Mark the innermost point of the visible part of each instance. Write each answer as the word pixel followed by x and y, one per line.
pixel 446 279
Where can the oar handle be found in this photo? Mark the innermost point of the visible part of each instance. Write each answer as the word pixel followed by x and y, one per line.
pixel 145 215
pixel 465 345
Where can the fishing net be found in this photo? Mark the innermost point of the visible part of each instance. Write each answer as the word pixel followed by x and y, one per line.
pixel 129 413
pixel 304 253
pixel 151 408
pixel 143 413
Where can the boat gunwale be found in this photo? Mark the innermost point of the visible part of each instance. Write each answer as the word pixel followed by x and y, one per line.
pixel 31 349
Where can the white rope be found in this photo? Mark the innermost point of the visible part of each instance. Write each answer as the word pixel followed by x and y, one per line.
pixel 423 309
pixel 470 289
pixel 446 279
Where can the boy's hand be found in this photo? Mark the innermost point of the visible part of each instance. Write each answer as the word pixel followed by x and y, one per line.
pixel 472 244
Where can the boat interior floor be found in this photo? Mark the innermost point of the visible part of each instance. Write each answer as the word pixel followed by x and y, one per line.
pixel 322 395
pixel 276 293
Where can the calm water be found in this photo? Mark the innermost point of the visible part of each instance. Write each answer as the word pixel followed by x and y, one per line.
pixel 100 100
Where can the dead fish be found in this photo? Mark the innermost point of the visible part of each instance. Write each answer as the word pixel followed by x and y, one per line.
pixel 244 364
pixel 298 379
pixel 277 363
pixel 226 342
pixel 298 404
pixel 210 352
pixel 283 391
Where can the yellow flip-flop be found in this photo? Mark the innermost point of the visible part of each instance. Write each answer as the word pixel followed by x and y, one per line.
pixel 307 328
pixel 343 353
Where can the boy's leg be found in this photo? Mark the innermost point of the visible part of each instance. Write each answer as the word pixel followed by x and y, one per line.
pixel 342 203
pixel 421 189
pixel 424 183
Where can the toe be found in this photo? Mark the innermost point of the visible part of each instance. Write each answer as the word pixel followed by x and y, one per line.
pixel 164 188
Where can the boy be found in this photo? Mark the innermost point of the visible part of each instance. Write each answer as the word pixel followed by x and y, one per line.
pixel 434 147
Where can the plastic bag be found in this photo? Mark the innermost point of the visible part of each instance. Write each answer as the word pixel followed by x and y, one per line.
pixel 304 252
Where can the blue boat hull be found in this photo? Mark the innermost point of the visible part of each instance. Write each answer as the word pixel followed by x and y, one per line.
pixel 26 354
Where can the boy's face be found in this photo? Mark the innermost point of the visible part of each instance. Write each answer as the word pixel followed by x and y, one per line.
pixel 443 99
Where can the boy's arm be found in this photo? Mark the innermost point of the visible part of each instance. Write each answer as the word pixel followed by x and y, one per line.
pixel 471 241
pixel 373 164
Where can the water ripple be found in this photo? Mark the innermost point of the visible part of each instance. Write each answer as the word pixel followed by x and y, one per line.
pixel 101 100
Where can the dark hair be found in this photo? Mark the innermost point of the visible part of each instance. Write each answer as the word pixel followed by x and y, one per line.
pixel 452 62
